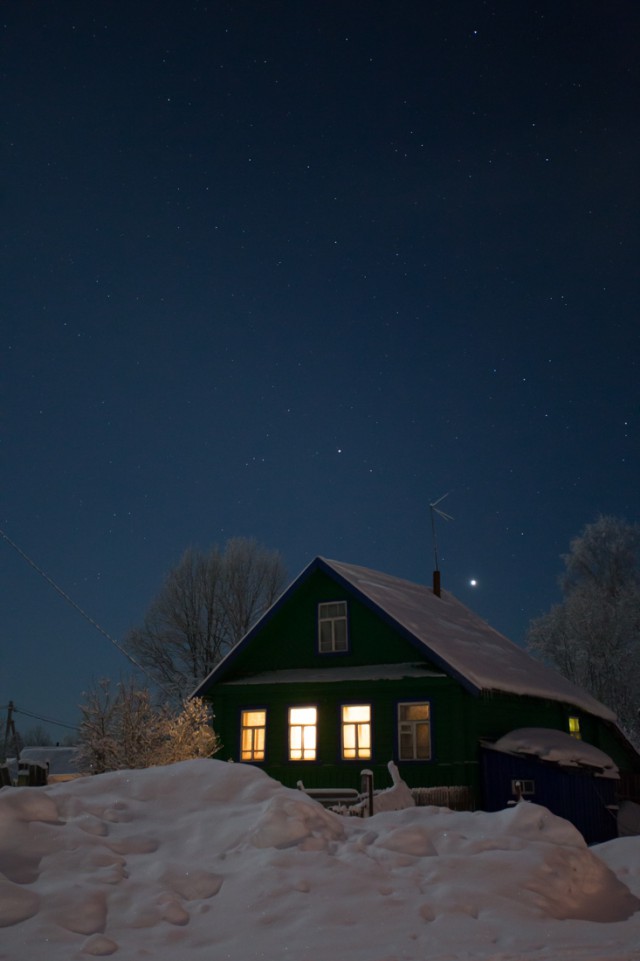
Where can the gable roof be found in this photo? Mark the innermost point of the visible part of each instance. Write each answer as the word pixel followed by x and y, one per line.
pixel 452 637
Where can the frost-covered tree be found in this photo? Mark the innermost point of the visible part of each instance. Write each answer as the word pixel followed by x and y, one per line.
pixel 206 604
pixel 97 735
pixel 189 734
pixel 593 636
pixel 123 729
pixel 119 728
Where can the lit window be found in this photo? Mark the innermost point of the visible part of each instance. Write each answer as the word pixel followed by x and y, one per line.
pixel 303 725
pixel 332 627
pixel 356 731
pixel 253 725
pixel 574 728
pixel 414 731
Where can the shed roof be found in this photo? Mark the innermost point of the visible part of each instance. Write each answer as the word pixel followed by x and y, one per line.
pixel 556 746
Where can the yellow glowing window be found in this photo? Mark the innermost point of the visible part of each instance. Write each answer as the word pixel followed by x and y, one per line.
pixel 574 728
pixel 414 731
pixel 303 726
pixel 356 731
pixel 253 727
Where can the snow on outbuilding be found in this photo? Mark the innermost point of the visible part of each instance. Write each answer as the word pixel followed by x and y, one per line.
pixel 557 746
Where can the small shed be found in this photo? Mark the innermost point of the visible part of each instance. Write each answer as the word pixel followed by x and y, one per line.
pixel 574 780
pixel 57 764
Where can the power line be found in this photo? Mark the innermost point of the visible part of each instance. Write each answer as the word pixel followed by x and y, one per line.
pixel 73 604
pixel 47 720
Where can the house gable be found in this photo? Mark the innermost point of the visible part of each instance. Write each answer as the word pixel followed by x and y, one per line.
pixel 286 637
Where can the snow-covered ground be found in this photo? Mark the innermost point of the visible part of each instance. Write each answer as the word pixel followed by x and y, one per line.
pixel 211 860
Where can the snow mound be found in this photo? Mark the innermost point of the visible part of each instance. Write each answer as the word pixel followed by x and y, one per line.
pixel 394 798
pixel 208 859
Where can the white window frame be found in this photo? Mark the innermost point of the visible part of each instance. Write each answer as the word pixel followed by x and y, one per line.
pixel 522 786
pixel 358 730
pixel 330 620
pixel 411 727
pixel 257 735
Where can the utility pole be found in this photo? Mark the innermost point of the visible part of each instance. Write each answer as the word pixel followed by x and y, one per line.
pixel 10 728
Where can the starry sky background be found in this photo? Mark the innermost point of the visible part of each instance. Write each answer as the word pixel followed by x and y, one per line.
pixel 292 270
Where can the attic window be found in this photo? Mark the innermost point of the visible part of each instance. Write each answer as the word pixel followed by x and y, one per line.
pixel 574 728
pixel 332 627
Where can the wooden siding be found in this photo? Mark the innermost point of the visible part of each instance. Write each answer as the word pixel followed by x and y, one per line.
pixel 450 737
pixel 459 721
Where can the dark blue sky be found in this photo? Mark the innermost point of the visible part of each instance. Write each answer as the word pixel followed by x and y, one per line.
pixel 291 270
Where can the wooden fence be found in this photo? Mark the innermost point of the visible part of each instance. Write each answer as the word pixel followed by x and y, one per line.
pixel 458 798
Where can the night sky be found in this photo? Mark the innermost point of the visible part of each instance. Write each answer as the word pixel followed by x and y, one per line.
pixel 291 270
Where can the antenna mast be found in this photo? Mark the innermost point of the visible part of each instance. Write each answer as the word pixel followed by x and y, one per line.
pixel 434 509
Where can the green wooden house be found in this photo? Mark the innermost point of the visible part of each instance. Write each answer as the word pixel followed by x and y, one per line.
pixel 352 668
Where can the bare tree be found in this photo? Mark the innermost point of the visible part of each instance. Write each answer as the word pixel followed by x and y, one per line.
pixel 593 636
pixel 37 736
pixel 206 604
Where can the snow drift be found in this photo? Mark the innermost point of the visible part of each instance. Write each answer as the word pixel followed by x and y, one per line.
pixel 209 859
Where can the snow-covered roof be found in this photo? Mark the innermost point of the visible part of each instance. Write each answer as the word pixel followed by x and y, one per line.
pixel 558 746
pixel 452 637
pixel 59 760
pixel 459 641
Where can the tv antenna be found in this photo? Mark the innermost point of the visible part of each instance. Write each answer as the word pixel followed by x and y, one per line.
pixel 433 507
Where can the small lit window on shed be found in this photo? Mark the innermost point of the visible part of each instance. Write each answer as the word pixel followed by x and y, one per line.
pixel 332 627
pixel 253 727
pixel 574 728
